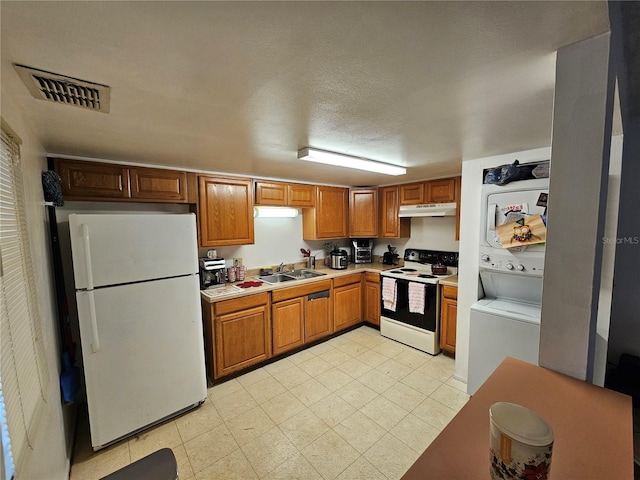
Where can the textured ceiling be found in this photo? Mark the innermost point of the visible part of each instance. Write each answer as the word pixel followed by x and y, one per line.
pixel 239 87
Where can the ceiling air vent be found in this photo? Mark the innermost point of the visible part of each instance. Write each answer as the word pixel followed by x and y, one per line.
pixel 65 90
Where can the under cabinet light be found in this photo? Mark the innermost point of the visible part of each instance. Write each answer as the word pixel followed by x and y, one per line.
pixel 340 160
pixel 274 212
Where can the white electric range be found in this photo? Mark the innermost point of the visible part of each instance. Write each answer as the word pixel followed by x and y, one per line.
pixel 410 299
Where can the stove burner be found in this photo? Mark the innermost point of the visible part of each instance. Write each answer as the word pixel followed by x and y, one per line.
pixel 396 271
pixel 426 275
pixel 408 270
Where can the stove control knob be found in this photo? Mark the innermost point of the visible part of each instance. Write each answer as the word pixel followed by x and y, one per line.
pixel 509 266
pixel 485 258
pixel 520 268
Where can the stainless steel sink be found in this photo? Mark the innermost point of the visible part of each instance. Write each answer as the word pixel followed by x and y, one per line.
pixel 276 278
pixel 289 276
pixel 303 274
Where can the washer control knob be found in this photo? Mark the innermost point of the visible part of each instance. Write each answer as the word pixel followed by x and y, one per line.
pixel 509 266
pixel 520 268
pixel 485 258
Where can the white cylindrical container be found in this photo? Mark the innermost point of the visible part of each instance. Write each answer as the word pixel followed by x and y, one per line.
pixel 520 443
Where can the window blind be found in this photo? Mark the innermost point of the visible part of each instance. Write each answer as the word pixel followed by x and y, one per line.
pixel 23 366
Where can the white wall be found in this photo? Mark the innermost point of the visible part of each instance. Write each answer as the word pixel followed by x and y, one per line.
pixel 427 233
pixel 49 457
pixel 468 279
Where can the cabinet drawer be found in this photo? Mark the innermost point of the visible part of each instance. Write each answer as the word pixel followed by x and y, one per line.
pixel 242 303
pixel 300 291
pixel 450 292
pixel 347 280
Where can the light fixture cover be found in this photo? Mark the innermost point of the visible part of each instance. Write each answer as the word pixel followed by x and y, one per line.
pixel 340 160
pixel 275 212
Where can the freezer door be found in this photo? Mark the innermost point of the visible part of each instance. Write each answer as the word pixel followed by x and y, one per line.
pixel 116 249
pixel 149 362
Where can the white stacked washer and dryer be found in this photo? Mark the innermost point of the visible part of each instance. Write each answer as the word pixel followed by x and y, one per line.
pixel 506 322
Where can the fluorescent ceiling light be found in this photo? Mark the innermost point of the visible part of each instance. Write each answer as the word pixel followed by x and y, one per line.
pixel 275 212
pixel 340 160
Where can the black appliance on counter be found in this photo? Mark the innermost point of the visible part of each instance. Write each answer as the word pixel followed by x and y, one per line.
pixel 390 257
pixel 211 273
pixel 362 250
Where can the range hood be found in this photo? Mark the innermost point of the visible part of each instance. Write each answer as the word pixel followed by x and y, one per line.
pixel 428 210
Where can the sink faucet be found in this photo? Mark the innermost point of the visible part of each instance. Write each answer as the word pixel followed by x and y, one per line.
pixel 281 267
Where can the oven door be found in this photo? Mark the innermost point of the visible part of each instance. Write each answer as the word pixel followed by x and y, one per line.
pixel 428 320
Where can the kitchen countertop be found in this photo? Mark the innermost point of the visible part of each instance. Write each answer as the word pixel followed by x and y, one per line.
pixel 450 281
pixel 230 290
pixel 592 427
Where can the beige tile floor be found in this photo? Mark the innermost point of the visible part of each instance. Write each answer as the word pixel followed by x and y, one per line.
pixel 358 406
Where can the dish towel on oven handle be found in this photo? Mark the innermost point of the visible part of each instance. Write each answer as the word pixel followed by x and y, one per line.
pixel 389 293
pixel 416 298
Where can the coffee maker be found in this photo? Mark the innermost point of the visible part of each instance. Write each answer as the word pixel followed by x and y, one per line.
pixel 211 273
pixel 362 250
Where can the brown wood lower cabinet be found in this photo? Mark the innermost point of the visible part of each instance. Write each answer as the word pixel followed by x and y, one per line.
pixel 372 298
pixel 237 334
pixel 448 318
pixel 288 325
pixel 347 301
pixel 301 315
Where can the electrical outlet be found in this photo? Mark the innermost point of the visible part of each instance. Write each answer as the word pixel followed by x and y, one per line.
pixel 237 262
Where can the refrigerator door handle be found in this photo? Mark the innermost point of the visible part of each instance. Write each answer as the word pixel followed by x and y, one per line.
pixel 93 322
pixel 87 255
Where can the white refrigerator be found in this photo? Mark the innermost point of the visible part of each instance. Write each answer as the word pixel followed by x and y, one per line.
pixel 138 297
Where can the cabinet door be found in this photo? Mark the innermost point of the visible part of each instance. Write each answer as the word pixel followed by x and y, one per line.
pixel 440 191
pixel 93 181
pixel 391 225
pixel 271 193
pixel 158 185
pixel 329 218
pixel 317 320
pixel 242 339
pixel 363 212
pixel 288 325
pixel 448 321
pixel 347 306
pixel 225 211
pixel 301 195
pixel 372 298
pixel 412 194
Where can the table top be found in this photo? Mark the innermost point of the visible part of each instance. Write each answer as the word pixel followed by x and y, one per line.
pixel 593 437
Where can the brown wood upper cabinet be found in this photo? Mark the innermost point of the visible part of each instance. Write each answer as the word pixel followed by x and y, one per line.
pixel 94 181
pixel 391 225
pixel 443 190
pixel 363 212
pixel 285 194
pixel 330 217
pixel 440 191
pixel 412 194
pixel 225 211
